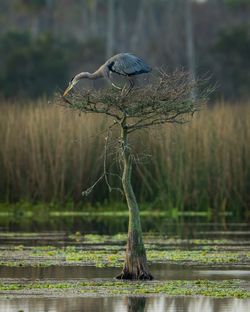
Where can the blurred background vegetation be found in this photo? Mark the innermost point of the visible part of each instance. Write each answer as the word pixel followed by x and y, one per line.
pixel 45 42
pixel 48 154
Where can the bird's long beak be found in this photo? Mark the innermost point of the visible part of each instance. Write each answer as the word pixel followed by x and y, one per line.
pixel 68 89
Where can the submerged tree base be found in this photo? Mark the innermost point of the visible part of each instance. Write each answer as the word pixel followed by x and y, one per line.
pixel 141 275
pixel 135 266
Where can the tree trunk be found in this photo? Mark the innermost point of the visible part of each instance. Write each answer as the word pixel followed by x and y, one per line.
pixel 94 28
pixel 135 267
pixel 110 29
pixel 138 25
pixel 190 44
pixel 50 6
pixel 35 29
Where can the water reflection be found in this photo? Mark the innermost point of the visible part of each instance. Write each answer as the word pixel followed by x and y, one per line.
pixel 197 304
pixel 124 304
pixel 184 227
pixel 159 271
pixel 136 304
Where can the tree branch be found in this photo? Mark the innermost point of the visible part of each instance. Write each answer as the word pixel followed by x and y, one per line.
pixel 166 99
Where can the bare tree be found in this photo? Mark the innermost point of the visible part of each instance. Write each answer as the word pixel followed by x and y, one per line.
pixel 94 28
pixel 138 26
pixel 50 7
pixel 122 37
pixel 165 100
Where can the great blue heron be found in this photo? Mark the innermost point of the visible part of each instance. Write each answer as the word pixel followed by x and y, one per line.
pixel 124 64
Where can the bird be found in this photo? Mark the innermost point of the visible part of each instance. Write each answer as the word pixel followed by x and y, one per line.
pixel 124 64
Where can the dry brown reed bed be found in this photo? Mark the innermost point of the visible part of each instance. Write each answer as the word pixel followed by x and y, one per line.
pixel 49 153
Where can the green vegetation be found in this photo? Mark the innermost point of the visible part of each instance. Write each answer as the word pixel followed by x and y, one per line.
pixel 38 66
pixel 222 289
pixel 237 3
pixel 120 238
pixel 106 220
pixel 232 49
pixel 113 256
pixel 206 168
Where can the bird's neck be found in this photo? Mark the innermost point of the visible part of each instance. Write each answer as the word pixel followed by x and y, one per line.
pixel 93 76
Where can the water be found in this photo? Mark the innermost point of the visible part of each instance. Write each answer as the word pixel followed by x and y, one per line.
pixel 125 304
pixel 185 226
pixel 159 271
pixel 236 237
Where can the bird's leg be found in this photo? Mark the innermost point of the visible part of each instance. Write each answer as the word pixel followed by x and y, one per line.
pixel 125 91
pixel 131 84
pixel 116 86
pixel 108 77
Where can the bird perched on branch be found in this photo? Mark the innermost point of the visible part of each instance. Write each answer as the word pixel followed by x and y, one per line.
pixel 124 64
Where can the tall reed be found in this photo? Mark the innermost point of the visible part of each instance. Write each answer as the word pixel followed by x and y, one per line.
pixel 49 153
pixel 204 164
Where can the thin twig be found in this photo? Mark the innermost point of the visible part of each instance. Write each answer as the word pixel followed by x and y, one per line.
pixel 165 100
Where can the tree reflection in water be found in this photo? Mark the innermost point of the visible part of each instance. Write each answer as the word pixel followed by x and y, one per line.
pixel 136 304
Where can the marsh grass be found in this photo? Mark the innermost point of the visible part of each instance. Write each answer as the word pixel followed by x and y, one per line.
pixel 50 154
pixel 204 164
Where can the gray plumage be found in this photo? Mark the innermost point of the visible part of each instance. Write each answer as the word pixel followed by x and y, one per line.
pixel 125 64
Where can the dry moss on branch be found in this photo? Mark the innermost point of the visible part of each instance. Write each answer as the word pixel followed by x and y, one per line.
pixel 166 99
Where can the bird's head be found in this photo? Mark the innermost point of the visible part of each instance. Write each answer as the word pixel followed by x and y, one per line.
pixel 72 83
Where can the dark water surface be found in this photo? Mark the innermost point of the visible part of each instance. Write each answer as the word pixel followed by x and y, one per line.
pixel 159 271
pixel 125 304
pixel 181 226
